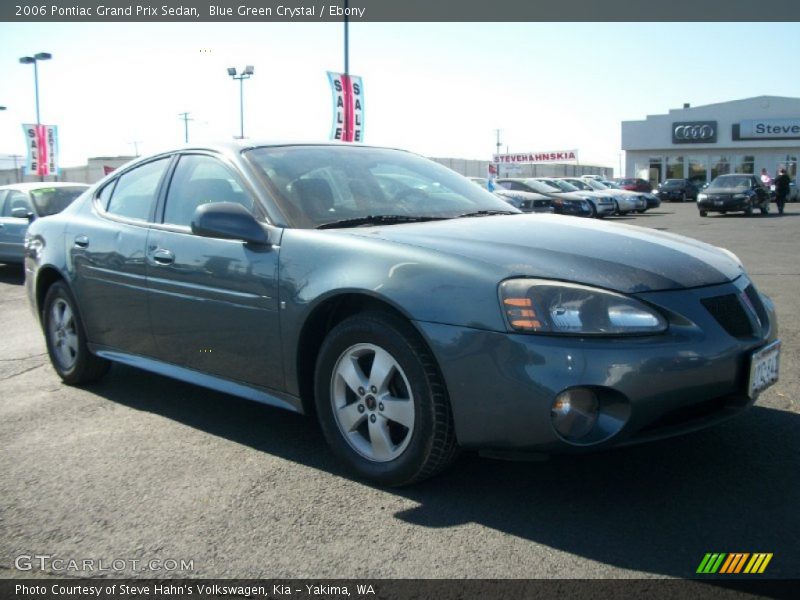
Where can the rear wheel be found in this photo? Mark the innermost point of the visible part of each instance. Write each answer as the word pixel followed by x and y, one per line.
pixel 66 339
pixel 381 401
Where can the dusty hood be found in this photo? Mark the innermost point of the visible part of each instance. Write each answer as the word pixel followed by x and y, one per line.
pixel 618 257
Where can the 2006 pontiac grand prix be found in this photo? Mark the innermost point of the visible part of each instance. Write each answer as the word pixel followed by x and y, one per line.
pixel 413 312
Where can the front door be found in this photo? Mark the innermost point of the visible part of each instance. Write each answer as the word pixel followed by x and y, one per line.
pixel 213 302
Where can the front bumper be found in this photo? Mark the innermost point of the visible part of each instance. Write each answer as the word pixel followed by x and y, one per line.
pixel 502 385
pixel 726 203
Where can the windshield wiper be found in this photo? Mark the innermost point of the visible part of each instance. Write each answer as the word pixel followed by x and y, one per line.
pixel 486 213
pixel 377 220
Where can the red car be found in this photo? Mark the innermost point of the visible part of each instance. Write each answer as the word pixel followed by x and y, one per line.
pixel 634 184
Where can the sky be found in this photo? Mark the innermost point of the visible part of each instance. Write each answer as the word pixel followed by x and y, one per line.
pixel 439 89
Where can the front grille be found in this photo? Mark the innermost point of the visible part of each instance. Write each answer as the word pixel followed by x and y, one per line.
pixel 729 312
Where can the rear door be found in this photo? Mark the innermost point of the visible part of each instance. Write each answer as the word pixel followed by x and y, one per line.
pixel 107 249
pixel 213 302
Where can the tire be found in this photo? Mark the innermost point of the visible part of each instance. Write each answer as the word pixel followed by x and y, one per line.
pixel 703 213
pixel 352 401
pixel 593 209
pixel 765 209
pixel 66 339
pixel 683 198
pixel 749 210
pixel 616 208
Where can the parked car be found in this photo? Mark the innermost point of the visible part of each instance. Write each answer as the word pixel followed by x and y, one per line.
pixel 411 311
pixel 526 201
pixel 603 203
pixel 651 200
pixel 22 202
pixel 634 184
pixel 625 201
pixel 734 193
pixel 677 190
pixel 563 203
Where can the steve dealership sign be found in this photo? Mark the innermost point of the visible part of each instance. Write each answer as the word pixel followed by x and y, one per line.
pixel 694 132
pixel 767 129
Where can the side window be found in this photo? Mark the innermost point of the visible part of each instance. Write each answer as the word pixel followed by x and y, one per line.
pixel 135 192
pixel 199 180
pixel 15 199
pixel 105 194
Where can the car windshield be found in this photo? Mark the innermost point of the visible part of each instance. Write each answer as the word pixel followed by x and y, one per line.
pixel 562 185
pixel 579 184
pixel 331 184
pixel 729 182
pixel 611 185
pixel 673 183
pixel 52 200
pixel 595 185
pixel 541 186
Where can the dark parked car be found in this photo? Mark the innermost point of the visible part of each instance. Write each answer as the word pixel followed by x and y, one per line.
pixel 563 202
pixel 411 311
pixel 22 202
pixel 525 201
pixel 634 184
pixel 734 193
pixel 677 190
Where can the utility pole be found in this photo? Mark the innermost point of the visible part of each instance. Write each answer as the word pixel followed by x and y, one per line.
pixel 136 146
pixel 498 144
pixel 186 119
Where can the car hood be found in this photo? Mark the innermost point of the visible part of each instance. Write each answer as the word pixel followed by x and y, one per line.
pixel 618 257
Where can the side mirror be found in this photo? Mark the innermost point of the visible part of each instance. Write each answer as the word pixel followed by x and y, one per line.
pixel 21 212
pixel 228 221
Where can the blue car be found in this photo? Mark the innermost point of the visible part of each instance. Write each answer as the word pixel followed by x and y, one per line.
pixel 22 202
pixel 410 311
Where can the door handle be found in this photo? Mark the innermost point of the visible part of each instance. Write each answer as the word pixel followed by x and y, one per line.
pixel 81 241
pixel 163 257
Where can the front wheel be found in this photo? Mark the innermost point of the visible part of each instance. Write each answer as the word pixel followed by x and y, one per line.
pixel 703 213
pixel 381 401
pixel 749 210
pixel 66 339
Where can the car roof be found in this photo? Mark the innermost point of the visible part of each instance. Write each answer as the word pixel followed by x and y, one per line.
pixel 34 185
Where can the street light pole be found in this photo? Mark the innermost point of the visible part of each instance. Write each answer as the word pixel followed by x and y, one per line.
pixel 186 119
pixel 34 60
pixel 245 74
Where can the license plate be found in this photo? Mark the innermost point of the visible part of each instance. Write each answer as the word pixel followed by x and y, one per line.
pixel 764 365
pixel 718 202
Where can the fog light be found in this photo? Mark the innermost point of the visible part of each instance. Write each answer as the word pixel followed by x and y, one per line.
pixel 574 413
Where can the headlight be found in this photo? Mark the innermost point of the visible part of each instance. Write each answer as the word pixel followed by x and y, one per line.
pixel 702 197
pixel 553 307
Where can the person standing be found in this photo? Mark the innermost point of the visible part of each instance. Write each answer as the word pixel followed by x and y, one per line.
pixel 782 182
pixel 766 179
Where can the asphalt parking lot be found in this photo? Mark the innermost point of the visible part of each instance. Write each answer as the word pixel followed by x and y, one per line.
pixel 142 468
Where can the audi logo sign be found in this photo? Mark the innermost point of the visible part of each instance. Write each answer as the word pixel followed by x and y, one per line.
pixel 694 132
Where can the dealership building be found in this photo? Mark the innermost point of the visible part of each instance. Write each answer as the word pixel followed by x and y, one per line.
pixel 701 142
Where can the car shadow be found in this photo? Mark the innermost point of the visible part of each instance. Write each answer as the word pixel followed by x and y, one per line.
pixel 12 273
pixel 656 508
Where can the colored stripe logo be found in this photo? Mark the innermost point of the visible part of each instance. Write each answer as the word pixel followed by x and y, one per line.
pixel 734 563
